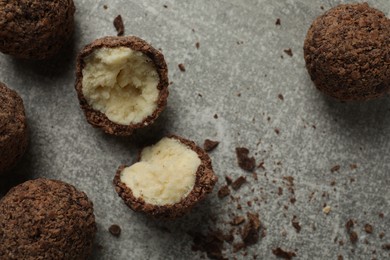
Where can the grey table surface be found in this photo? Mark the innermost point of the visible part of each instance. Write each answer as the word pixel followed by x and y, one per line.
pixel 237 74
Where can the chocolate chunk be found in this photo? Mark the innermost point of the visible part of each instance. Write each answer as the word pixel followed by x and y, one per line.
pixel 238 182
pixel 250 233
pixel 118 24
pixel 228 180
pixel 283 254
pixel 223 192
pixel 246 163
pixel 210 145
pixel 115 230
pixel 182 67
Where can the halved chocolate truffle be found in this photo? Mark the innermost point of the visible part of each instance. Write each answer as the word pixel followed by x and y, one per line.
pixel 46 219
pixel 122 84
pixel 168 180
pixel 13 128
pixel 35 29
pixel 347 52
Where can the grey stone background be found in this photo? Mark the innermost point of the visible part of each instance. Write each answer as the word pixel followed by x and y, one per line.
pixel 237 73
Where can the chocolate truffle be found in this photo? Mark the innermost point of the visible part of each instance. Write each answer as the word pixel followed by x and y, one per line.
pixel 122 84
pixel 347 52
pixel 46 219
pixel 35 29
pixel 168 180
pixel 13 128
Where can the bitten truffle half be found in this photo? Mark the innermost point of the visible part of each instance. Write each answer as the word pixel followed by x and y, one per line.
pixel 13 128
pixel 35 29
pixel 46 219
pixel 122 84
pixel 169 179
pixel 347 52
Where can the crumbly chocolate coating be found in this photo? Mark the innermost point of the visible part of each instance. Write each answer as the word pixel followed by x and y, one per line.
pixel 13 128
pixel 204 184
pixel 46 219
pixel 35 29
pixel 99 119
pixel 347 52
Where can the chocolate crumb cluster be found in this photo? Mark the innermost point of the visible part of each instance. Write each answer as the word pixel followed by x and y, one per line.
pixel 181 164
pixel 347 52
pixel 122 84
pixel 35 29
pixel 46 219
pixel 13 128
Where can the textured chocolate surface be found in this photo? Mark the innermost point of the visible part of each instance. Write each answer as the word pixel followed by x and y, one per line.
pixel 347 52
pixel 204 184
pixel 97 118
pixel 13 128
pixel 46 219
pixel 35 29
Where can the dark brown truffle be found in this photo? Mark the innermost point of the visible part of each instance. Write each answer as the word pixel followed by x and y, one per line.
pixel 99 119
pixel 35 29
pixel 347 52
pixel 204 183
pixel 46 219
pixel 13 128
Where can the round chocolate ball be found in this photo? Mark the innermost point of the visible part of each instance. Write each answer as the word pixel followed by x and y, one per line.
pixel 347 52
pixel 35 29
pixel 13 128
pixel 46 219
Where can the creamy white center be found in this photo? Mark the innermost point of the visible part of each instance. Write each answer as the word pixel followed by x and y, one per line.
pixel 121 83
pixel 165 174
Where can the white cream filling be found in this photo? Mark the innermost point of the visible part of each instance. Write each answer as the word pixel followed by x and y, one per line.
pixel 165 174
pixel 121 83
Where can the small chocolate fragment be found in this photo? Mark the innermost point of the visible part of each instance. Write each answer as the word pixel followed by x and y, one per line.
pixel 46 219
pixel 368 228
pixel 181 67
pixel 386 246
pixel 278 21
pixel 288 52
pixel 115 230
pixel 238 182
pixel 228 180
pixel 237 220
pixel 350 66
pixel 223 192
pixel 238 247
pixel 118 24
pixel 296 224
pixel 283 254
pixel 246 163
pixel 197 45
pixel 250 233
pixel 211 244
pixel 280 96
pixel 210 145
pixel 335 168
pixel 349 225
pixel 13 129
pixel 353 237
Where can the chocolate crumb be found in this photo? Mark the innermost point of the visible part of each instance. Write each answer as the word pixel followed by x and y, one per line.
pixel 353 237
pixel 293 200
pixel 228 180
pixel 277 131
pixel 288 52
pixel 283 254
pixel 223 192
pixel 278 21
pixel 237 220
pixel 216 116
pixel 335 168
pixel 381 235
pixel 349 225
pixel 368 228
pixel 340 257
pixel 210 145
pixel 381 215
pixel 181 67
pixel 261 165
pixel 386 246
pixel 296 224
pixel 280 191
pixel 211 243
pixel 197 45
pixel 105 7
pixel 322 8
pixel 238 182
pixel 250 233
pixel 165 6
pixel 353 166
pixel 238 246
pixel 246 163
pixel 118 24
pixel 115 230
pixel 280 96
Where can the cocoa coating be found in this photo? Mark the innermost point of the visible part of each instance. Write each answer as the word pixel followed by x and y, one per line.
pixel 347 52
pixel 13 128
pixel 35 29
pixel 99 119
pixel 46 219
pixel 204 184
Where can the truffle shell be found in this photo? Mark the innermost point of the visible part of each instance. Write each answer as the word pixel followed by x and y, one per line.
pixel 46 219
pixel 35 29
pixel 204 184
pixel 13 128
pixel 347 52
pixel 99 119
